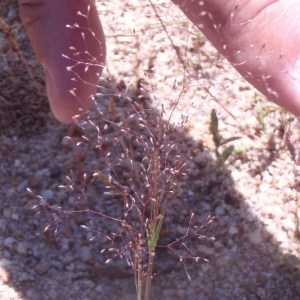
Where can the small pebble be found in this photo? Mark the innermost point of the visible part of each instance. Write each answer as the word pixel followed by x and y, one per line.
pixel 17 163
pixel 233 230
pixel 42 172
pixel 85 254
pixel 42 268
pixel 22 248
pixel 264 187
pixel 15 217
pixel 99 288
pixel 255 237
pixel 5 262
pixel 4 275
pixel 7 213
pixel 22 186
pixel 180 293
pixel 12 13
pixel 8 242
pixel 47 194
pixel 67 259
pixel 220 210
pixel 289 223
pixel 205 267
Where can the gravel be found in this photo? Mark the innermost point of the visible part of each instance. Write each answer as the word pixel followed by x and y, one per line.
pixel 252 245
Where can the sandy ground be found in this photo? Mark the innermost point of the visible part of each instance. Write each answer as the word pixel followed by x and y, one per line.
pixel 253 198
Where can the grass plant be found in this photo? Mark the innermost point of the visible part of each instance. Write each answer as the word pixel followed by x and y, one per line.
pixel 139 166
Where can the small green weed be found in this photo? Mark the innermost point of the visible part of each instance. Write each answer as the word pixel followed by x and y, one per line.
pixel 219 141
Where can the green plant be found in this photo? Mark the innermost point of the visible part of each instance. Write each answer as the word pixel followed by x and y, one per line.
pixel 222 154
pixel 261 116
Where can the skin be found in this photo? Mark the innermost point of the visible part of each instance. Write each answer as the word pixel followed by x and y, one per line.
pixel 71 74
pixel 261 39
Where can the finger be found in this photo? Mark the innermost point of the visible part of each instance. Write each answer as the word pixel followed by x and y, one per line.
pixel 260 38
pixel 68 40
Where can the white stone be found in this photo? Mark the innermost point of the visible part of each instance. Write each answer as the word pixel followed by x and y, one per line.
pixel 281 236
pixel 264 187
pixel 289 223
